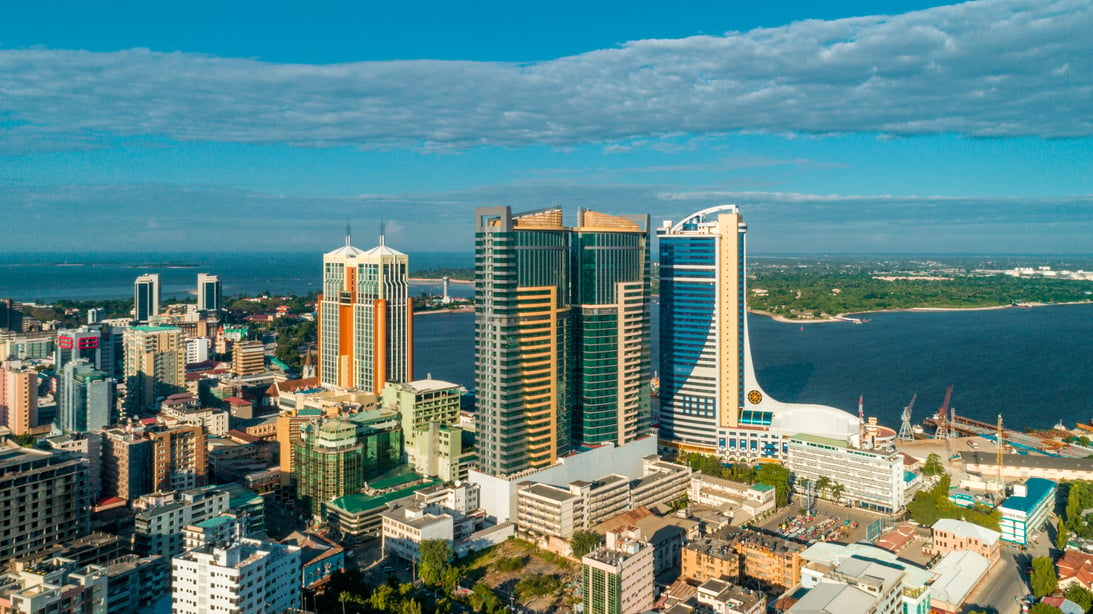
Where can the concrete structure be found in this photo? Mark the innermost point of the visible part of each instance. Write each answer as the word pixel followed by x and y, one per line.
pixel 93 343
pixel 772 560
pixel 216 530
pixel 710 557
pixel 872 479
pixel 135 583
pixel 404 528
pixel 126 463
pixel 958 575
pixel 320 558
pixel 146 297
pixel 430 413
pixel 18 397
pixel 1025 466
pixel 178 458
pixel 729 496
pixel 88 446
pixel 246 577
pixel 499 494
pixel 86 397
pixel 43 500
pixel 214 421
pixel 855 586
pixel 54 586
pixel 155 361
pixel 248 358
pixel 949 535
pixel 160 519
pixel 581 336
pixel 365 318
pixel 553 511
pixel 711 401
pixel 208 293
pixel 1024 513
pixel 823 558
pixel 197 349
pixel 618 577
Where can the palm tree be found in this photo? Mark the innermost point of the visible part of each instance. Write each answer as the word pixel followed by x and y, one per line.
pixel 837 492
pixel 822 484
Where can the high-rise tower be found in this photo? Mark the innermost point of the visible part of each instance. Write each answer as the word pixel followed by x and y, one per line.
pixel 365 318
pixel 710 399
pixel 146 297
pixel 155 361
pixel 611 296
pixel 561 334
pixel 208 293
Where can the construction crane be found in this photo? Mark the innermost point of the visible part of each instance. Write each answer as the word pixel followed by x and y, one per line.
pixel 905 431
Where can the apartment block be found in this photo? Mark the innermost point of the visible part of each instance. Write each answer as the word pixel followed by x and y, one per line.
pixel 618 577
pixel 246 577
pixel 43 500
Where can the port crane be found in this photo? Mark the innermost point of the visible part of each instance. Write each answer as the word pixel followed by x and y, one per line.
pixel 905 431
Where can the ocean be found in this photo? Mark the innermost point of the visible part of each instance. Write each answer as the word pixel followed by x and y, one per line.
pixel 1035 366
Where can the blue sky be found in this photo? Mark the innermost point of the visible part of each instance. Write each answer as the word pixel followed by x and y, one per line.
pixel 931 128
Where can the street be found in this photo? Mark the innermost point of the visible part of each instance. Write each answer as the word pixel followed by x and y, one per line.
pixel 1004 586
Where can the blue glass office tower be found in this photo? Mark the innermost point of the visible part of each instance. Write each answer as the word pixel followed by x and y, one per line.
pixel 710 399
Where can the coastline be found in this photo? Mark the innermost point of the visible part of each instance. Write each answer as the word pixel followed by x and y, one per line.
pixel 439 280
pixel 433 311
pixel 849 316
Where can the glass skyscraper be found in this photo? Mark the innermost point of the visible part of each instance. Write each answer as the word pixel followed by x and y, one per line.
pixel 710 399
pixel 561 334
pixel 146 297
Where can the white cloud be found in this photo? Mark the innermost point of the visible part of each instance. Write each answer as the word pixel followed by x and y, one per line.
pixel 987 68
pixel 185 219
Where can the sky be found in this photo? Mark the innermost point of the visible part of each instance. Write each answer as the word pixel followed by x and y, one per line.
pixel 838 127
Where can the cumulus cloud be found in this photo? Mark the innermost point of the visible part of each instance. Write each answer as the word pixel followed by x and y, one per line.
pixel 185 219
pixel 986 68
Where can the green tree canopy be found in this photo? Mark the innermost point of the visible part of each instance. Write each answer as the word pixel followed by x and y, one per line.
pixel 436 557
pixel 1043 608
pixel 776 475
pixel 1062 536
pixel 933 465
pixel 1043 579
pixel 584 542
pixel 1079 595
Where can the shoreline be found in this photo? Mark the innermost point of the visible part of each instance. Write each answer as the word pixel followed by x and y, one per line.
pixel 439 280
pixel 849 316
pixel 434 311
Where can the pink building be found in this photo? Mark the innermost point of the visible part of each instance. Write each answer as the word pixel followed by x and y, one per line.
pixel 18 397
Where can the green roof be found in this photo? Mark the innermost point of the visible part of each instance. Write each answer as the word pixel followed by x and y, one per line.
pixel 823 441
pixel 212 523
pixel 357 503
pixel 762 487
pixel 145 328
pixel 309 411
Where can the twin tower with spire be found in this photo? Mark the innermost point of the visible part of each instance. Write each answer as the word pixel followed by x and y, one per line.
pixel 366 334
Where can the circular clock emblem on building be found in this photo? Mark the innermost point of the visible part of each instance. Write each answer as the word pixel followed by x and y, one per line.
pixel 755 397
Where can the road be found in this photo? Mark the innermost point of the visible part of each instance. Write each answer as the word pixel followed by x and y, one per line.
pixel 1005 585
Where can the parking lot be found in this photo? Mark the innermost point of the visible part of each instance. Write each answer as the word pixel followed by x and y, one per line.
pixel 829 521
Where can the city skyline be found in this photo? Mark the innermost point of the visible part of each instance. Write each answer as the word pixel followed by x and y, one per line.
pixel 922 131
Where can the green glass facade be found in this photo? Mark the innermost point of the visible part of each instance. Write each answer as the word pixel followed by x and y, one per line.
pixel 335 457
pixel 562 334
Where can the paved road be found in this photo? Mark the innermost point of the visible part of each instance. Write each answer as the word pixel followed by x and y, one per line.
pixel 1005 584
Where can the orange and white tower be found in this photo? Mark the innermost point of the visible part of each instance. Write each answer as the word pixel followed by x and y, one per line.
pixel 365 318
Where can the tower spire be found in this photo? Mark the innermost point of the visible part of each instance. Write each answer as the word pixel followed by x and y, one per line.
pixel 383 231
pixel 347 233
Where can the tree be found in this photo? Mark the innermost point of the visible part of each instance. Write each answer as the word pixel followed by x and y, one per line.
pixel 383 598
pixel 1079 595
pixel 837 490
pixel 1043 579
pixel 773 474
pixel 822 484
pixel 436 556
pixel 1062 536
pixel 584 542
pixel 933 465
pixel 1043 608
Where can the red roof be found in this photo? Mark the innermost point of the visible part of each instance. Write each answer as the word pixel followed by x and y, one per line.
pixel 148 421
pixel 897 538
pixel 1076 564
pixel 237 402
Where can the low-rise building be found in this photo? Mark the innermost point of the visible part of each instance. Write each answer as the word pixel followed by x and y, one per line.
pixel 949 535
pixel 161 518
pixel 1026 511
pixel 53 586
pixel 319 558
pixel 821 559
pixel 248 576
pixel 710 557
pixel 404 528
pixel 872 479
pixel 729 496
pixel 957 576
pixel 1075 567
pixel 766 558
pixel 721 597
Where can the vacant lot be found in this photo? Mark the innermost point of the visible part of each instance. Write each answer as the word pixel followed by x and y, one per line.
pixel 535 562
